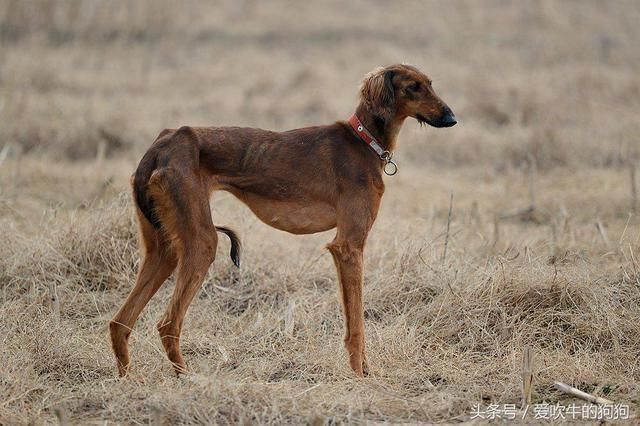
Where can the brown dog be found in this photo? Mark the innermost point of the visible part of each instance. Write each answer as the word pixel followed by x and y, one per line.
pixel 300 181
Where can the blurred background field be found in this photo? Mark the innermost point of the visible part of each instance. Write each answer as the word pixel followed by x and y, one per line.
pixel 547 95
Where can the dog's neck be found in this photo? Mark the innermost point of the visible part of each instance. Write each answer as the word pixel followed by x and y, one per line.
pixel 385 131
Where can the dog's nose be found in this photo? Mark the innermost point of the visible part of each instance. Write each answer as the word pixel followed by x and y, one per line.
pixel 449 119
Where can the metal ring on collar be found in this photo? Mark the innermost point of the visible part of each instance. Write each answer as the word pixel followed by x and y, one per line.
pixel 390 170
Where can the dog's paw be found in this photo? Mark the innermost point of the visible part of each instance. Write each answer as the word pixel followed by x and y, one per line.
pixel 365 366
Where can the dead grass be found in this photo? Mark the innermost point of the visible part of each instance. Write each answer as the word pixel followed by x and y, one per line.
pixel 84 88
pixel 441 336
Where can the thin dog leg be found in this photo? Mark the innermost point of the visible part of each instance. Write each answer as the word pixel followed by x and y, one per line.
pixel 192 271
pixel 181 201
pixel 356 213
pixel 183 204
pixel 155 268
pixel 348 260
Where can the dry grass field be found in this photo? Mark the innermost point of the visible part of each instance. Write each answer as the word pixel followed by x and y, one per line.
pixel 547 94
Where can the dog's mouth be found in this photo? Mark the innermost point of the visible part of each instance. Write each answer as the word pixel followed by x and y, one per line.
pixel 422 120
pixel 448 120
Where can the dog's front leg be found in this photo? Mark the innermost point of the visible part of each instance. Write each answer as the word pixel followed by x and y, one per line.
pixel 348 256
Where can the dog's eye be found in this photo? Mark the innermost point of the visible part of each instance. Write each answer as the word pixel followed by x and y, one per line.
pixel 414 87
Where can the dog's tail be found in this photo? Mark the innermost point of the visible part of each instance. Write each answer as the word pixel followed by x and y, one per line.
pixel 147 207
pixel 236 246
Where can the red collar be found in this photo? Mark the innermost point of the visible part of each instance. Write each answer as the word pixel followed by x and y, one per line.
pixel 365 135
pixel 368 138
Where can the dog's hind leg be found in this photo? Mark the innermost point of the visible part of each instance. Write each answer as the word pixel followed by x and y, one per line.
pixel 157 264
pixel 186 217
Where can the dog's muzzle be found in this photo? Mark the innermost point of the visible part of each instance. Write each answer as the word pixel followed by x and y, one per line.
pixel 448 119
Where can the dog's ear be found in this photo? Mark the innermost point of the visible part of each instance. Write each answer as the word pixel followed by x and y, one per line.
pixel 377 92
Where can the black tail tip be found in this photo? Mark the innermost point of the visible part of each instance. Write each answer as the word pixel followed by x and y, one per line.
pixel 235 244
pixel 235 257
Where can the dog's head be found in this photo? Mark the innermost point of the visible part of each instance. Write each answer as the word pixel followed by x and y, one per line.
pixel 404 91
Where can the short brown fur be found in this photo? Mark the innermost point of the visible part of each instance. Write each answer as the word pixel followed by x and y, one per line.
pixel 301 181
